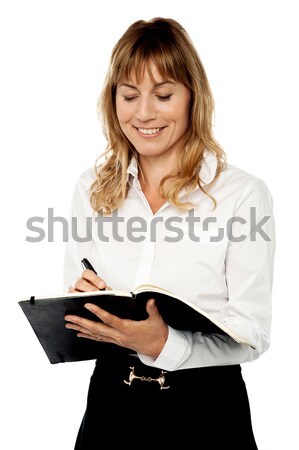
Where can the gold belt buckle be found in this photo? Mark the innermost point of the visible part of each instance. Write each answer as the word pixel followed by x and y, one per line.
pixel 161 378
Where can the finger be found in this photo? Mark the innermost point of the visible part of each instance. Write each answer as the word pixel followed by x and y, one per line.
pixel 94 279
pixel 82 285
pixel 106 333
pixel 95 338
pixel 76 322
pixel 79 323
pixel 106 317
pixel 91 337
pixel 86 331
pixel 73 326
pixel 152 308
pixel 82 332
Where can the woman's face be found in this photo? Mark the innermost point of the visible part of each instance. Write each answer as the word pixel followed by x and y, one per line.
pixel 154 115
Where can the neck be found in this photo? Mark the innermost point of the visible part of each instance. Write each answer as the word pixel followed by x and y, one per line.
pixel 154 169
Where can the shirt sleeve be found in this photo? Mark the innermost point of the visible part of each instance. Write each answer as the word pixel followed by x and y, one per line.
pixel 249 268
pixel 80 241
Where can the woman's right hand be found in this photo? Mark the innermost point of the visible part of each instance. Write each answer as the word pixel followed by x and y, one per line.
pixel 88 282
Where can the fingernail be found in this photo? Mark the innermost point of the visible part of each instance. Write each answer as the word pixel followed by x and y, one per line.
pixel 88 306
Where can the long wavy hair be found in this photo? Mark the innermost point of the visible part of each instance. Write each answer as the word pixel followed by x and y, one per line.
pixel 166 44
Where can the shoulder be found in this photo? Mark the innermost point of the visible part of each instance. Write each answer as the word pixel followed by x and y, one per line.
pixel 81 192
pixel 85 180
pixel 87 177
pixel 244 184
pixel 241 179
pixel 238 175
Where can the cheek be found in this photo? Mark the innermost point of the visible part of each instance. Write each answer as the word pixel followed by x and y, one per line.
pixel 119 111
pixel 181 118
pixel 123 112
pixel 178 112
pixel 185 109
pixel 185 116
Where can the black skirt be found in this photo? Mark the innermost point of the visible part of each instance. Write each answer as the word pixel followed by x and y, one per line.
pixel 131 406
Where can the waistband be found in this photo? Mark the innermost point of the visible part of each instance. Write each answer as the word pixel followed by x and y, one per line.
pixel 131 369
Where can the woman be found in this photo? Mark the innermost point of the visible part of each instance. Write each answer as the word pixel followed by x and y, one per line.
pixel 163 164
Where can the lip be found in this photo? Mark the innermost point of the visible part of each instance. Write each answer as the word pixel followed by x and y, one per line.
pixel 149 136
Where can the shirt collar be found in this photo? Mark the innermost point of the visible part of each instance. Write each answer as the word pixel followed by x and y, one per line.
pixel 208 166
pixel 133 167
pixel 207 171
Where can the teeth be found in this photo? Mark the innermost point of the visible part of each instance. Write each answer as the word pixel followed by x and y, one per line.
pixel 149 131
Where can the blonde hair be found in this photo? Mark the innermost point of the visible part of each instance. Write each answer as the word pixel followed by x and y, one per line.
pixel 165 43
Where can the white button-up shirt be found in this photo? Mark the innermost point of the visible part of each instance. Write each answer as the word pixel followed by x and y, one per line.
pixel 221 260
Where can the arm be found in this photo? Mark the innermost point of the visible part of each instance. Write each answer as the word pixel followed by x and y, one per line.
pixel 249 268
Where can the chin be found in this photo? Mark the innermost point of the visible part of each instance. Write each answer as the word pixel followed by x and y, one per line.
pixel 150 152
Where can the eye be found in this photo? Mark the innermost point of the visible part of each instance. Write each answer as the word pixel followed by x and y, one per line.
pixel 164 98
pixel 129 98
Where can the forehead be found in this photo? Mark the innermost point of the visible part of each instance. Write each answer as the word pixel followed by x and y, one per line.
pixel 147 71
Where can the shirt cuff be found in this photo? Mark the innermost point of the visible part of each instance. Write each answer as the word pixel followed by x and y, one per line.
pixel 176 350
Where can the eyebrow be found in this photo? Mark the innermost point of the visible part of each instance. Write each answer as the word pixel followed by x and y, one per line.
pixel 155 86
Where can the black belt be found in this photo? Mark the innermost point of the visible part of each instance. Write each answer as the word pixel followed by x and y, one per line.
pixel 132 371
pixel 133 376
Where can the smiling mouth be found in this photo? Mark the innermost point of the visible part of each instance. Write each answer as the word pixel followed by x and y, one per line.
pixel 149 131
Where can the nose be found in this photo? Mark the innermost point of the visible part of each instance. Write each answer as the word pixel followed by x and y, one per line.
pixel 145 110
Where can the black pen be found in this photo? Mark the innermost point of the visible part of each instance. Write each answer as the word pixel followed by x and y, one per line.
pixel 86 265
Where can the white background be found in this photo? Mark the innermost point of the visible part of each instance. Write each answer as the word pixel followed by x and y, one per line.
pixel 54 56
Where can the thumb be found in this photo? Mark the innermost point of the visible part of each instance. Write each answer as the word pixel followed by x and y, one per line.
pixel 151 307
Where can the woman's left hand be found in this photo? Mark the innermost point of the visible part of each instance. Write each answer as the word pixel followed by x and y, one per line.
pixel 146 337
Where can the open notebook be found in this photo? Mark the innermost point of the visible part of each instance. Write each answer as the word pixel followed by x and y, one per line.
pixel 46 317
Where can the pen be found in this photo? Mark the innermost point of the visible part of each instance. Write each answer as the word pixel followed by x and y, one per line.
pixel 86 265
